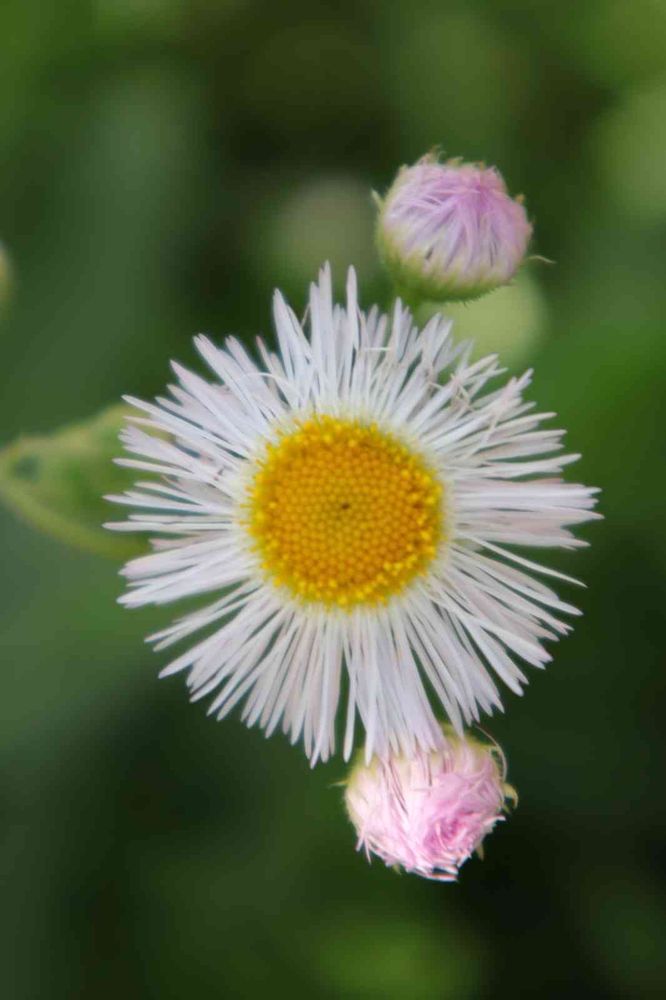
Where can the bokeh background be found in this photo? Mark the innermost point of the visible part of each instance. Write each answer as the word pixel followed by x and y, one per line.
pixel 164 164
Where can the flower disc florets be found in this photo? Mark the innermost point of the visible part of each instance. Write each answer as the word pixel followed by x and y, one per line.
pixel 343 513
pixel 450 231
pixel 428 813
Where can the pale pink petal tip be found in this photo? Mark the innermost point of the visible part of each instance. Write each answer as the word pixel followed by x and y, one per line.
pixel 428 813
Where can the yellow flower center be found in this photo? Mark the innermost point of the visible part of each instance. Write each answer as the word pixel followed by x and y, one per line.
pixel 343 513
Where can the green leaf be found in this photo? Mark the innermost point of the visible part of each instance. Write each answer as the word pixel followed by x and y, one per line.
pixel 57 482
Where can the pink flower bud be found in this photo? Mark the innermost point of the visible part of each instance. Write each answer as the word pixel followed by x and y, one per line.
pixel 451 230
pixel 430 812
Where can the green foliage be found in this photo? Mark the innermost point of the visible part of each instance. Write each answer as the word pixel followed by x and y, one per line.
pixel 5 277
pixel 57 482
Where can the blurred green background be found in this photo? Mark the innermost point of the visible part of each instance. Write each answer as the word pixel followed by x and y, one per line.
pixel 164 164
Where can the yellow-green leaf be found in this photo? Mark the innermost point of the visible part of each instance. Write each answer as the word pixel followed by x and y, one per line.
pixel 57 482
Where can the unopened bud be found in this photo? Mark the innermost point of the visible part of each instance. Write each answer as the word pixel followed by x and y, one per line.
pixel 428 813
pixel 450 231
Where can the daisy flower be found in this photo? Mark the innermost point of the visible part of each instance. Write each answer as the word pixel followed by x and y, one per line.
pixel 350 503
